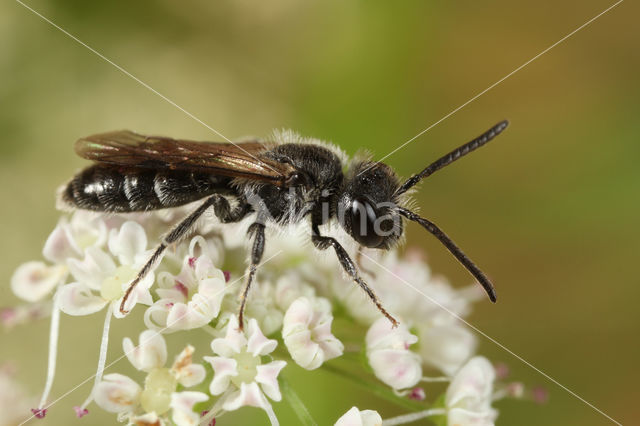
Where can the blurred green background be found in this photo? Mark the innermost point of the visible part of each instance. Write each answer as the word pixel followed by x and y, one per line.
pixel 550 209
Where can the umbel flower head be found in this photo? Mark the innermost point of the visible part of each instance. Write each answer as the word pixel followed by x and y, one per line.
pixel 119 394
pixel 301 312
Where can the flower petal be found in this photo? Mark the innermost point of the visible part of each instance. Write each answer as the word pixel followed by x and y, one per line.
pixel 213 291
pixel 203 268
pixel 304 351
pixel 355 417
pixel 93 269
pixel 178 317
pixel 155 317
pixel 117 393
pixel 267 376
pixel 192 375
pixel 58 246
pixel 182 404
pixel 149 354
pixel 258 344
pixel 140 294
pixel 446 346
pixel 33 281
pixel 223 370
pixel 389 355
pixel 69 239
pixel 397 368
pixel 289 288
pixel 307 332
pixel 382 335
pixel 78 299
pixel 183 369
pixel 208 247
pixel 171 295
pixel 459 416
pixel 128 242
pixel 147 419
pixel 472 386
pixel 249 394
pixel 232 343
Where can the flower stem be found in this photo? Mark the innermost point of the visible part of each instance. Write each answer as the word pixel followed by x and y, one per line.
pixel 102 360
pixel 53 350
pixel 296 403
pixel 440 379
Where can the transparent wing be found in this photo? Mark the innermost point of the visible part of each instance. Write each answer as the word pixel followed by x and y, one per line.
pixel 126 148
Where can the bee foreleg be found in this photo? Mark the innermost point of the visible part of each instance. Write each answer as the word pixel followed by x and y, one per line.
pixel 322 242
pixel 256 230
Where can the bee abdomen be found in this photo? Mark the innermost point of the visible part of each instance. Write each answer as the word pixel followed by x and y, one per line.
pixel 118 190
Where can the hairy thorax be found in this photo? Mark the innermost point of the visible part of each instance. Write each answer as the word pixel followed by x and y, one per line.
pixel 319 179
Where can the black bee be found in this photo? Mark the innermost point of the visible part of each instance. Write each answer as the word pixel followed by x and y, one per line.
pixel 278 182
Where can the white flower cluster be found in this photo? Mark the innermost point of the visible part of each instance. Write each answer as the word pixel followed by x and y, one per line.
pixel 91 259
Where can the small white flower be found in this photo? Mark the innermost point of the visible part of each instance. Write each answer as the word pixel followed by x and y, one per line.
pixel 261 305
pixel 101 280
pixel 307 332
pixel 389 355
pixel 117 393
pixel 207 245
pixel 185 371
pixel 468 397
pixel 290 287
pixel 120 394
pixel 430 303
pixel 182 407
pixel 188 300
pixel 407 288
pixel 355 417
pixel 151 353
pixel 71 237
pixel 239 367
pixel 445 344
pixel 33 281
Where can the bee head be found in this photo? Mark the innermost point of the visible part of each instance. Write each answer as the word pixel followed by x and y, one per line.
pixel 367 208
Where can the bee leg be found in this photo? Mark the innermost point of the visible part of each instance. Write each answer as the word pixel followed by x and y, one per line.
pixel 322 243
pixel 221 209
pixel 360 266
pixel 256 230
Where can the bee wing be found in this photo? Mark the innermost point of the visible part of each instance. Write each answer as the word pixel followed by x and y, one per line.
pixel 126 148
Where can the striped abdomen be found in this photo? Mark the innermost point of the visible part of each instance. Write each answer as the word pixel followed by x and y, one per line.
pixel 116 189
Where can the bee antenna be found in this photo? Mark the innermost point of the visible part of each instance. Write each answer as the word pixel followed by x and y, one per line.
pixel 453 156
pixel 454 249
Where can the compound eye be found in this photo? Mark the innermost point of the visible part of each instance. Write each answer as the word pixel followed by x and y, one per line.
pixel 363 225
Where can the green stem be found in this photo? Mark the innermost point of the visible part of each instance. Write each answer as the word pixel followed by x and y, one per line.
pixel 296 403
pixel 374 388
